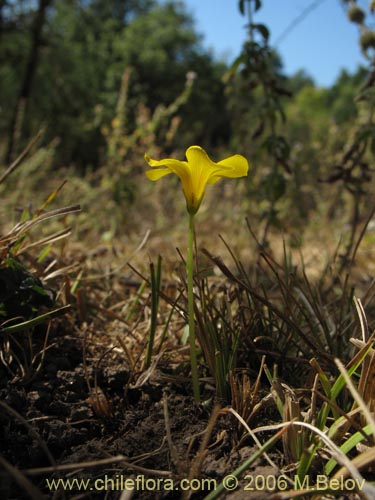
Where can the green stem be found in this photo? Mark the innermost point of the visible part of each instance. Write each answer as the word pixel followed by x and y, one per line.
pixel 189 271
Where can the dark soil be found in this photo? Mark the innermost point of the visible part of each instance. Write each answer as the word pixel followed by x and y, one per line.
pixel 56 420
pixel 80 418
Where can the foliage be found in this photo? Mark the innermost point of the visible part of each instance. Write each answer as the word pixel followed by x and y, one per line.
pixel 25 301
pixel 86 48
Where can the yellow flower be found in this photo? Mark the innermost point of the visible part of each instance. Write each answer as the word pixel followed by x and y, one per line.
pixel 196 172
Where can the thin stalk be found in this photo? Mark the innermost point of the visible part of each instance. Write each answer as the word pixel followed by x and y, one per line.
pixel 155 289
pixel 189 272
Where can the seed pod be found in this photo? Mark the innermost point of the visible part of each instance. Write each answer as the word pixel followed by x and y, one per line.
pixel 367 40
pixel 356 14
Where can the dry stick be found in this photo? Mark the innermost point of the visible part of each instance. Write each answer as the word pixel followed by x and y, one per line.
pixel 172 448
pixel 23 227
pixel 362 319
pixel 197 462
pixel 196 465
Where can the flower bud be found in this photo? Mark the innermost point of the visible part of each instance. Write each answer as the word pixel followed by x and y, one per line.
pixel 367 40
pixel 356 14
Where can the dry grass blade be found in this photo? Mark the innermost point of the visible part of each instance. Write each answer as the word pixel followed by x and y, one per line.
pixel 291 411
pixel 47 240
pixel 32 491
pixel 22 228
pixel 17 162
pixel 366 385
pixel 19 327
pixel 357 397
pixel 50 198
pixel 251 433
pixel 123 460
pixel 196 465
pixel 248 462
pixel 367 491
pixel 362 319
pixel 115 271
pixel 265 302
pixel 174 454
pixel 147 374
pixel 366 458
pixel 127 495
pixel 49 215
pixel 33 433
pixel 244 396
pixel 62 271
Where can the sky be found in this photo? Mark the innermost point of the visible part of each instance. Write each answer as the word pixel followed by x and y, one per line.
pixel 322 43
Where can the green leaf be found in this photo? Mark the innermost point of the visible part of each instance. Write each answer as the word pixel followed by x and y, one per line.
pixel 43 254
pixel 348 445
pixel 278 147
pixel 19 327
pixel 274 186
pixel 233 68
pixel 258 5
pixel 217 492
pixel 185 335
pixel 263 30
pixel 241 6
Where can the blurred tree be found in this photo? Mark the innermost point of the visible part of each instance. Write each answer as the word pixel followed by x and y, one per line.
pixel 2 8
pixel 16 123
pixel 159 47
pixel 314 110
pixel 299 80
pixel 86 47
pixel 162 47
pixel 342 95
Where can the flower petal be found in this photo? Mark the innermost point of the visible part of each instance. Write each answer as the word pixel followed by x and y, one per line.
pixel 234 166
pixel 180 168
pixel 157 173
pixel 214 178
pixel 198 157
pixel 201 169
